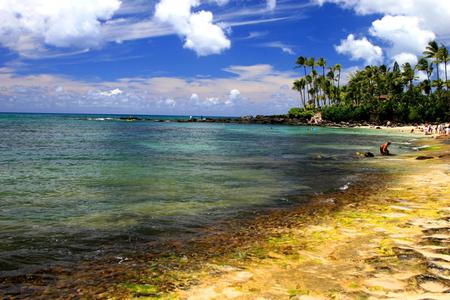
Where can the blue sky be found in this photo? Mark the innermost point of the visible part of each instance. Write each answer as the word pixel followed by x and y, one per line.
pixel 210 57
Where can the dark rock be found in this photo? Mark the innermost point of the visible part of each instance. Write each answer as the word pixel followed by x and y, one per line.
pixel 365 154
pixel 422 157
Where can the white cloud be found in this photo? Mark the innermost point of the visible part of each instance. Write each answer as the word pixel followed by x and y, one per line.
pixel 271 4
pixel 279 45
pixel 204 37
pixel 360 49
pixel 421 75
pixel 234 95
pixel 255 35
pixel 170 102
pixel 197 28
pixel 407 25
pixel 433 14
pixel 402 33
pixel 250 72
pixel 111 93
pixel 28 26
pixel 194 97
pixel 405 58
pixel 442 71
pixel 221 2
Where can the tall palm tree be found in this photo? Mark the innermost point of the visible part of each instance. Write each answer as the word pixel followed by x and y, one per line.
pixel 444 58
pixel 432 52
pixel 423 65
pixel 301 62
pixel 337 68
pixel 309 81
pixel 321 62
pixel 408 74
pixel 311 63
pixel 299 85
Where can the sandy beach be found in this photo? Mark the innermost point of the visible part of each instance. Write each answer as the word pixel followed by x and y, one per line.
pixel 389 242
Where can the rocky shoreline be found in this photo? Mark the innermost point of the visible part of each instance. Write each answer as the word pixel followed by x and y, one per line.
pixel 270 120
pixel 277 120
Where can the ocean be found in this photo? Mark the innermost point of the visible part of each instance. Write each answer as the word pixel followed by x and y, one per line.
pixel 74 187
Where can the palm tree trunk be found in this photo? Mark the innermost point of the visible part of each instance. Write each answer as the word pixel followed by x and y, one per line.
pixel 306 85
pixel 437 70
pixel 445 69
pixel 338 95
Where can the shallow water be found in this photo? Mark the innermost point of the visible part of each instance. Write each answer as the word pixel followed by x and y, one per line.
pixel 74 186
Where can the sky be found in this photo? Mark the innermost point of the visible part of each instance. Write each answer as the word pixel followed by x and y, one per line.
pixel 196 57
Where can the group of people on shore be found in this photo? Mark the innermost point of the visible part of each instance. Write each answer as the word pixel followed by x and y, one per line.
pixel 429 129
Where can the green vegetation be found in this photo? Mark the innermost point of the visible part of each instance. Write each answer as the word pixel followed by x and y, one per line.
pixel 300 113
pixel 376 93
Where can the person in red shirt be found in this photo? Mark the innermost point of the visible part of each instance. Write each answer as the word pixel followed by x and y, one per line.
pixel 384 148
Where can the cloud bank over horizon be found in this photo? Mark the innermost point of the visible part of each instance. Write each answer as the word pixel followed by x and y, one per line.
pixel 251 90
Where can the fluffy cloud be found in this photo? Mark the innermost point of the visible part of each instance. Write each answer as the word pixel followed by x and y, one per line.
pixel 360 49
pixel 405 58
pixel 195 97
pixel 433 14
pixel 271 4
pixel 407 25
pixel 234 95
pixel 110 93
pixel 28 26
pixel 197 28
pixel 402 33
pixel 170 102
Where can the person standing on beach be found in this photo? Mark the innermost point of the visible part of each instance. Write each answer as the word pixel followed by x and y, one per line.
pixel 384 148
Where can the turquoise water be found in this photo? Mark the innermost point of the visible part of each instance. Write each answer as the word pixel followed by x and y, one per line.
pixel 74 186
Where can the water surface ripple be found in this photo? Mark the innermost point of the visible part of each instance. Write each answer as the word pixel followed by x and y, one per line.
pixel 72 186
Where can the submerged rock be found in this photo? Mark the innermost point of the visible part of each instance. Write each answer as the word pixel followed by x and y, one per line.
pixel 369 154
pixel 130 119
pixel 422 157
pixel 365 154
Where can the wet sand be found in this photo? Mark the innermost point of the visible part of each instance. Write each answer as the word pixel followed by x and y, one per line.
pixel 392 243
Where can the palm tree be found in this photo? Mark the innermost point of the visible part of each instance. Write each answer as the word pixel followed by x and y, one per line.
pixel 396 68
pixel 321 62
pixel 301 62
pixel 314 85
pixel 309 81
pixel 444 58
pixel 299 85
pixel 311 63
pixel 408 74
pixel 423 65
pixel 438 84
pixel 432 52
pixel 338 67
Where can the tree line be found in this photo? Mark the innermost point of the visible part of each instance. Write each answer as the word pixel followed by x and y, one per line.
pixel 377 93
